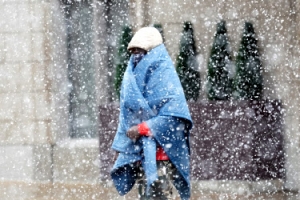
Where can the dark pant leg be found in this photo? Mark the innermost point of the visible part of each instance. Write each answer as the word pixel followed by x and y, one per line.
pixel 161 189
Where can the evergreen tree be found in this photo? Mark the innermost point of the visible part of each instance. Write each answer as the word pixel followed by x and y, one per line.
pixel 123 57
pixel 248 80
pixel 160 29
pixel 220 68
pixel 187 64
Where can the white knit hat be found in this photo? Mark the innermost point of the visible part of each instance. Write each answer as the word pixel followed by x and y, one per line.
pixel 146 38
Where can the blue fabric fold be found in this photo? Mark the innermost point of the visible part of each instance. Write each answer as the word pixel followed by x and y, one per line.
pixel 151 92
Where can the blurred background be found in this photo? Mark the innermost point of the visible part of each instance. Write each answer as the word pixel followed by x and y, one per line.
pixel 59 61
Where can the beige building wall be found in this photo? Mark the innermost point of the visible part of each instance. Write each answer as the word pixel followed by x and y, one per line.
pixel 38 160
pixel 25 95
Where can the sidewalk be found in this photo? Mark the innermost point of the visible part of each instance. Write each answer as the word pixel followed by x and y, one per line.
pixel 13 190
pixel 110 194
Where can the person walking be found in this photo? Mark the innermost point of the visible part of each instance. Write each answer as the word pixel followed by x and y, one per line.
pixel 152 139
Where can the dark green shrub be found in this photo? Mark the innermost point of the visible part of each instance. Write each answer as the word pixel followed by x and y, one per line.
pixel 186 64
pixel 248 81
pixel 123 57
pixel 220 67
pixel 160 29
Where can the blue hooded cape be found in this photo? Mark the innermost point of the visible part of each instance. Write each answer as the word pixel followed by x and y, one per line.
pixel 151 92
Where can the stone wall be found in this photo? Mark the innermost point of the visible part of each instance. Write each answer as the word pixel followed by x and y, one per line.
pixel 37 156
pixel 24 87
pixel 25 109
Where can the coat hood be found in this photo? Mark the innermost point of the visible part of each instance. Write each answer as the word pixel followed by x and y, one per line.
pixel 146 38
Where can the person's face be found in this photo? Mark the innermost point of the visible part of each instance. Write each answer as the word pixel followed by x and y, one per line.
pixel 137 51
pixel 137 55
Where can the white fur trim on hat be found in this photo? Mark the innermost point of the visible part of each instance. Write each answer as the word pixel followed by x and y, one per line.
pixel 146 38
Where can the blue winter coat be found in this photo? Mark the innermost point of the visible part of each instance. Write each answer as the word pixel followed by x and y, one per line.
pixel 152 92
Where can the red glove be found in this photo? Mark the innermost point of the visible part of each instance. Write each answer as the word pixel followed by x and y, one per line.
pixel 144 129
